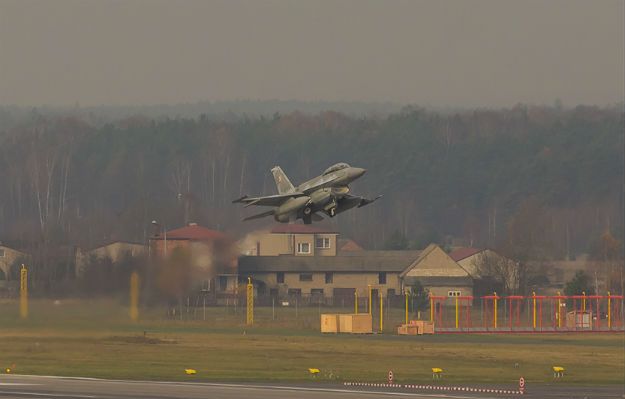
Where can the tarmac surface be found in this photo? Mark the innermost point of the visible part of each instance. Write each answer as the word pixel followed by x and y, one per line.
pixel 22 386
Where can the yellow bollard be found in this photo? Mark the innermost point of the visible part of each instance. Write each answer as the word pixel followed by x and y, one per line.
pixel 406 295
pixel 495 310
pixel 431 310
pixel 558 371
pixel 609 315
pixel 24 292
pixel 250 302
pixel 456 312
pixel 437 372
pixel 369 287
pixel 134 296
pixel 534 309
pixel 584 301
pixel 559 315
pixel 355 301
pixel 381 312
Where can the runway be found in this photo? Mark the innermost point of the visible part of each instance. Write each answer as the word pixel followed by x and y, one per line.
pixel 21 387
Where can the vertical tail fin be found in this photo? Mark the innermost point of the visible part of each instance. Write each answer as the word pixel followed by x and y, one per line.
pixel 282 182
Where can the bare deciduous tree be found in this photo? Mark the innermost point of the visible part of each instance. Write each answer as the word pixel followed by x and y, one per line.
pixel 505 271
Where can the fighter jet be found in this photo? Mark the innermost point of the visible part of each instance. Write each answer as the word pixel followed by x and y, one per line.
pixel 326 194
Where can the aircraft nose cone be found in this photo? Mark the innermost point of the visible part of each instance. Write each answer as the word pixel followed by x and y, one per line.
pixel 359 171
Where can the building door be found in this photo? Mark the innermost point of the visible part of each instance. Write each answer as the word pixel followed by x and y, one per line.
pixel 375 298
pixel 343 297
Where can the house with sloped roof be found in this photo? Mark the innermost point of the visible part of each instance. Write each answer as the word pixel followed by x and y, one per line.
pixel 115 251
pixel 439 273
pixel 328 275
pixel 8 257
pixel 480 262
pixel 338 278
pixel 213 255
pixel 468 259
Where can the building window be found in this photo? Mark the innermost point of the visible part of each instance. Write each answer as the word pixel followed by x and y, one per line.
pixel 280 277
pixel 303 248
pixel 323 242
pixel 295 292
pixel 329 278
pixel 305 277
pixel 390 292
pixel 223 283
pixel 1 253
pixel 454 293
pixel 382 278
pixel 316 295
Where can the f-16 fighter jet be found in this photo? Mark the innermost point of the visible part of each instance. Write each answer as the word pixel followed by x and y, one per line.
pixel 326 194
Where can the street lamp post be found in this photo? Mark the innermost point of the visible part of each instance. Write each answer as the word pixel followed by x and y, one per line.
pixel 162 227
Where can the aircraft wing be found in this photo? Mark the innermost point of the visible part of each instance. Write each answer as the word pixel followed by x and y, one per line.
pixel 269 200
pixel 366 201
pixel 363 201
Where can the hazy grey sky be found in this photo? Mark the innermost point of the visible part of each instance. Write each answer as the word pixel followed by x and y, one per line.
pixel 460 53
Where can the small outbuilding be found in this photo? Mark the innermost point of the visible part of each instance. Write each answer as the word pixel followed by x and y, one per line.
pixel 8 256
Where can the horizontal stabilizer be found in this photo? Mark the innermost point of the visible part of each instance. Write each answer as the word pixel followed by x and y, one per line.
pixel 239 200
pixel 254 202
pixel 260 215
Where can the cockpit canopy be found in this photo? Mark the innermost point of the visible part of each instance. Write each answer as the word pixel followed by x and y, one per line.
pixel 335 167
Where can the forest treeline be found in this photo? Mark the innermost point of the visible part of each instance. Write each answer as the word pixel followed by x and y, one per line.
pixel 68 181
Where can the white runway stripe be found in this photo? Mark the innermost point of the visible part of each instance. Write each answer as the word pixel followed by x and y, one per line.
pixel 47 395
pixel 15 384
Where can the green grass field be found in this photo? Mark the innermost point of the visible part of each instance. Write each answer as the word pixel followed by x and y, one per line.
pixel 97 339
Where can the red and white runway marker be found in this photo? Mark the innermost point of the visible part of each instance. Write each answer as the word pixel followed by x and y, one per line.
pixel 437 388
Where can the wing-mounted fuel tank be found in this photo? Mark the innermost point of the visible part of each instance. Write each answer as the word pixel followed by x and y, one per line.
pixel 291 208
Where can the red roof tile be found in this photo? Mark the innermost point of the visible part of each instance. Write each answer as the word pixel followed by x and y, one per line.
pixel 194 232
pixel 462 253
pixel 300 229
pixel 349 245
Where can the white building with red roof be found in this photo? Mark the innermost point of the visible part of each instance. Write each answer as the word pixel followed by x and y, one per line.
pixel 212 254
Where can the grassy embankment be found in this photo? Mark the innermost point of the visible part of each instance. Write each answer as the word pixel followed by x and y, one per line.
pixel 97 339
